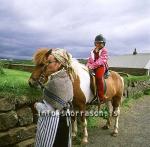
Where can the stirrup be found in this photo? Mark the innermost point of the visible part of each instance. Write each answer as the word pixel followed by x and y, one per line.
pixel 102 102
pixel 95 101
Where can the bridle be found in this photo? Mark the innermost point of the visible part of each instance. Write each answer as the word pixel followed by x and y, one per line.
pixel 41 79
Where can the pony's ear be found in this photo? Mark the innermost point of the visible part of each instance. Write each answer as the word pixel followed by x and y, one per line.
pixel 48 53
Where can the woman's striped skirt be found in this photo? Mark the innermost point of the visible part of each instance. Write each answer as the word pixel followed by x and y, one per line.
pixel 46 131
pixel 53 131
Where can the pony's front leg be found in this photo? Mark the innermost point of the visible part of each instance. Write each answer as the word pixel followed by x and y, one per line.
pixel 74 126
pixel 116 114
pixel 85 132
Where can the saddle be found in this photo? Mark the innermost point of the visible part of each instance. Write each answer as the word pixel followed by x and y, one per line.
pixel 93 83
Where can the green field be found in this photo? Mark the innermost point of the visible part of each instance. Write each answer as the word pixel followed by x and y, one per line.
pixel 28 62
pixel 14 83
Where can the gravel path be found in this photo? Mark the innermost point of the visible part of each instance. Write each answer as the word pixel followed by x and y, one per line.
pixel 134 128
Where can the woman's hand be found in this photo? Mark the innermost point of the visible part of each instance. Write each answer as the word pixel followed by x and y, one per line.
pixel 35 104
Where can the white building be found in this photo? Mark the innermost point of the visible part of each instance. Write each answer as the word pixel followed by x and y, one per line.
pixel 132 63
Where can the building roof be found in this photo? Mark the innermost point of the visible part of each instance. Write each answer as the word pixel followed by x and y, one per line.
pixel 140 60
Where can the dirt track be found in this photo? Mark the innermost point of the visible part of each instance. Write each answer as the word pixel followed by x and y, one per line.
pixel 134 128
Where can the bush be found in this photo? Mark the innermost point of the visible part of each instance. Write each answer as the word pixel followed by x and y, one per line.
pixel 1 68
pixel 147 92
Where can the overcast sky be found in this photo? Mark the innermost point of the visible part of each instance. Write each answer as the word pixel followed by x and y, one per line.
pixel 26 25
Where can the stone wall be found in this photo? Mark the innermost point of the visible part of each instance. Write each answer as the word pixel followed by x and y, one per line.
pixel 135 88
pixel 23 67
pixel 18 117
pixel 17 123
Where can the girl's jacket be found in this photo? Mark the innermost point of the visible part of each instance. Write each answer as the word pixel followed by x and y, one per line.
pixel 101 61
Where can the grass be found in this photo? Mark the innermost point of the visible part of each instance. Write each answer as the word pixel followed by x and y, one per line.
pixel 14 83
pixel 129 100
pixel 132 78
pixel 93 122
pixel 147 92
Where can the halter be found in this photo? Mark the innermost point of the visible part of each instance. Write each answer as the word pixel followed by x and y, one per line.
pixel 42 77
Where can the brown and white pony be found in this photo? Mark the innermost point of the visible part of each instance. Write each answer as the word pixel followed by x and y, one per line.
pixel 82 91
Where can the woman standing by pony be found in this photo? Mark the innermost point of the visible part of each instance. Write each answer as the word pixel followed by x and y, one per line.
pixel 98 63
pixel 53 129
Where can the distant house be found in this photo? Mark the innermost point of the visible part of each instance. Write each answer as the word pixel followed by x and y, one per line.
pixel 136 63
pixel 3 59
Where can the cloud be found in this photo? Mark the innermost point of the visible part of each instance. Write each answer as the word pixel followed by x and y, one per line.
pixel 27 25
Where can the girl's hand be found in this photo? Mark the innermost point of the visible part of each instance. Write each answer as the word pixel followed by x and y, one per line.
pixel 90 66
pixel 90 60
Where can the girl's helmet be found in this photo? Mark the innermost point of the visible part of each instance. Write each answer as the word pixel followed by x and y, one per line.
pixel 100 38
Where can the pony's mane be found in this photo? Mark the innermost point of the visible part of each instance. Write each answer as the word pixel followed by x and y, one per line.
pixel 78 66
pixel 39 56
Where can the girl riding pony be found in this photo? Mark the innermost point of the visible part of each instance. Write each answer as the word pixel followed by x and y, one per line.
pixel 98 63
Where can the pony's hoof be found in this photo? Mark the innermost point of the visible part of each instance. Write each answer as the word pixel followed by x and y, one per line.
pixel 105 127
pixel 74 140
pixel 114 114
pixel 74 135
pixel 114 134
pixel 84 141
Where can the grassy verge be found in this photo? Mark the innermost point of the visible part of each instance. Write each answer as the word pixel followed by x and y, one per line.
pixel 147 92
pixel 14 83
pixel 128 101
pixel 131 78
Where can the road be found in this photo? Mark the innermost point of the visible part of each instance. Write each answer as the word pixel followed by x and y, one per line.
pixel 134 128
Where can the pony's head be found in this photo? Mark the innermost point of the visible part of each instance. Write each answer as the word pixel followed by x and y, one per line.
pixel 47 61
pixel 38 76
